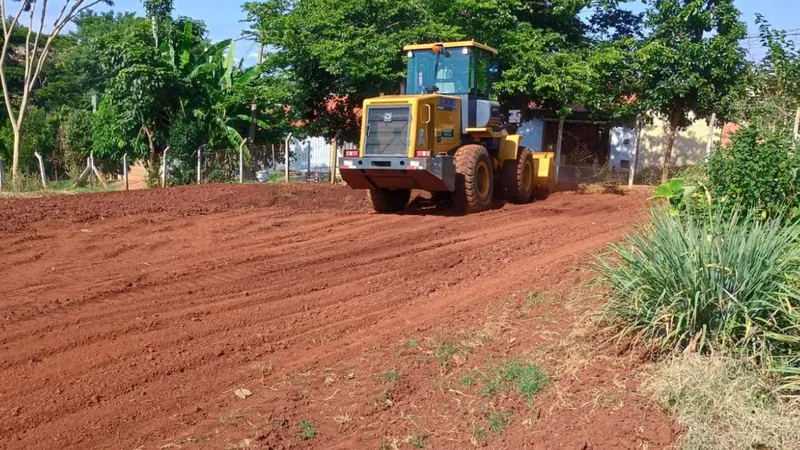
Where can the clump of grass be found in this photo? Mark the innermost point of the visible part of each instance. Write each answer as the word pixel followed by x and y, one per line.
pixel 498 421
pixel 536 298
pixel 713 283
pixel 391 375
pixel 417 441
pixel 467 380
pixel 724 405
pixel 525 377
pixel 444 354
pixel 413 343
pixel 307 430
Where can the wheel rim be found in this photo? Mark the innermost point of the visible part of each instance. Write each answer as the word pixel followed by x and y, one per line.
pixel 483 179
pixel 527 176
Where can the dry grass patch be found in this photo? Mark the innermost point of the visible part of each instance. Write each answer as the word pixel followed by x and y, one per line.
pixel 724 405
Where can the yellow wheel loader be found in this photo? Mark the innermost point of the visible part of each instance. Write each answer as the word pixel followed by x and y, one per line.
pixel 444 135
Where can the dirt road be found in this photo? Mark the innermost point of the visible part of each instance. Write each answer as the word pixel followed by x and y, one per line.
pixel 128 320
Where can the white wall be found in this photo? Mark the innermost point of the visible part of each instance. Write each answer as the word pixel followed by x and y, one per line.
pixel 689 149
pixel 318 148
pixel 623 141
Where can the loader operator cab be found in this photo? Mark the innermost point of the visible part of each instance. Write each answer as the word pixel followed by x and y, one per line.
pixel 464 70
pixel 461 69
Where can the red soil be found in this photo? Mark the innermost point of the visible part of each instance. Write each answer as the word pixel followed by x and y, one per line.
pixel 128 320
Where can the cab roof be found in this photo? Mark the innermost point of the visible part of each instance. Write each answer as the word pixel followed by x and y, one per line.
pixel 450 45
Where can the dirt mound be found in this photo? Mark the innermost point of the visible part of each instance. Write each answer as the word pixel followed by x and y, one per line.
pixel 137 320
pixel 19 214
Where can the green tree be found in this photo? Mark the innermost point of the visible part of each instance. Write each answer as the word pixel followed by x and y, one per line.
pixel 91 55
pixel 772 93
pixel 36 135
pixel 690 63
pixel 338 53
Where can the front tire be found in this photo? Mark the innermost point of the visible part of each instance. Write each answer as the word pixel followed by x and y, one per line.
pixel 474 179
pixel 386 201
pixel 519 177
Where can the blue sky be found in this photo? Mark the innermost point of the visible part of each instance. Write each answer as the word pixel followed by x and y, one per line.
pixel 225 21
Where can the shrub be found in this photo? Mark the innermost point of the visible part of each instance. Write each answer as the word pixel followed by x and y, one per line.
pixel 718 282
pixel 74 140
pixel 758 171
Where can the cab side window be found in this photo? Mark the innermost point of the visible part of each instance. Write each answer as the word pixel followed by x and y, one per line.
pixel 481 70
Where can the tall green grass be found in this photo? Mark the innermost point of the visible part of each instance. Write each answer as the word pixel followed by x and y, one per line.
pixel 716 283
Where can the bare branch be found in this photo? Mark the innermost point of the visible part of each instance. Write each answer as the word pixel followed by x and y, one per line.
pixel 3 16
pixel 60 26
pixel 60 15
pixel 3 54
pixel 28 59
pixel 41 28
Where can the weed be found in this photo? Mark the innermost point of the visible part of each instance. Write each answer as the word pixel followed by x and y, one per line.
pixel 527 378
pixel 479 432
pixel 467 380
pixel 391 375
pixel 417 441
pixel 444 354
pixel 498 421
pixel 390 444
pixel 307 430
pixel 413 343
pixel 534 298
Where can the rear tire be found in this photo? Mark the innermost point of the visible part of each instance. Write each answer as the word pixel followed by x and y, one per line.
pixel 389 200
pixel 474 179
pixel 519 177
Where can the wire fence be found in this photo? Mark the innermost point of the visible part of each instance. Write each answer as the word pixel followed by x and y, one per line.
pixel 311 159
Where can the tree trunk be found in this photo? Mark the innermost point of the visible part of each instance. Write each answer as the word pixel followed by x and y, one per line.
pixel 673 131
pixel 15 159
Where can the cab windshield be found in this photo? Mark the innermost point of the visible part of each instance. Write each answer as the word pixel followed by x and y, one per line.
pixel 452 76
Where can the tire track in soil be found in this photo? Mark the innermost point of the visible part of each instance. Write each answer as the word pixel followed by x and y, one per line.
pixel 113 339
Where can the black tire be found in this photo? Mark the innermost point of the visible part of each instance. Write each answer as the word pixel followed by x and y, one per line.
pixel 474 179
pixel 389 200
pixel 519 177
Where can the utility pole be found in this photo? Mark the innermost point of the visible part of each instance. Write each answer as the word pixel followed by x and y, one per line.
pixel 251 136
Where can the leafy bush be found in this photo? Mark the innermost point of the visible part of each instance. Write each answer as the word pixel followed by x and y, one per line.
pixel 684 198
pixel 185 139
pixel 718 282
pixel 74 140
pixel 757 171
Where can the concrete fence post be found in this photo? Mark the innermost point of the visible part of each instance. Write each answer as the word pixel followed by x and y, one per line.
pixel 41 169
pixel 286 175
pixel 200 165
pixel 164 169
pixel 90 168
pixel 635 159
pixel 125 170
pixel 241 160
pixel 712 124
pixel 797 125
